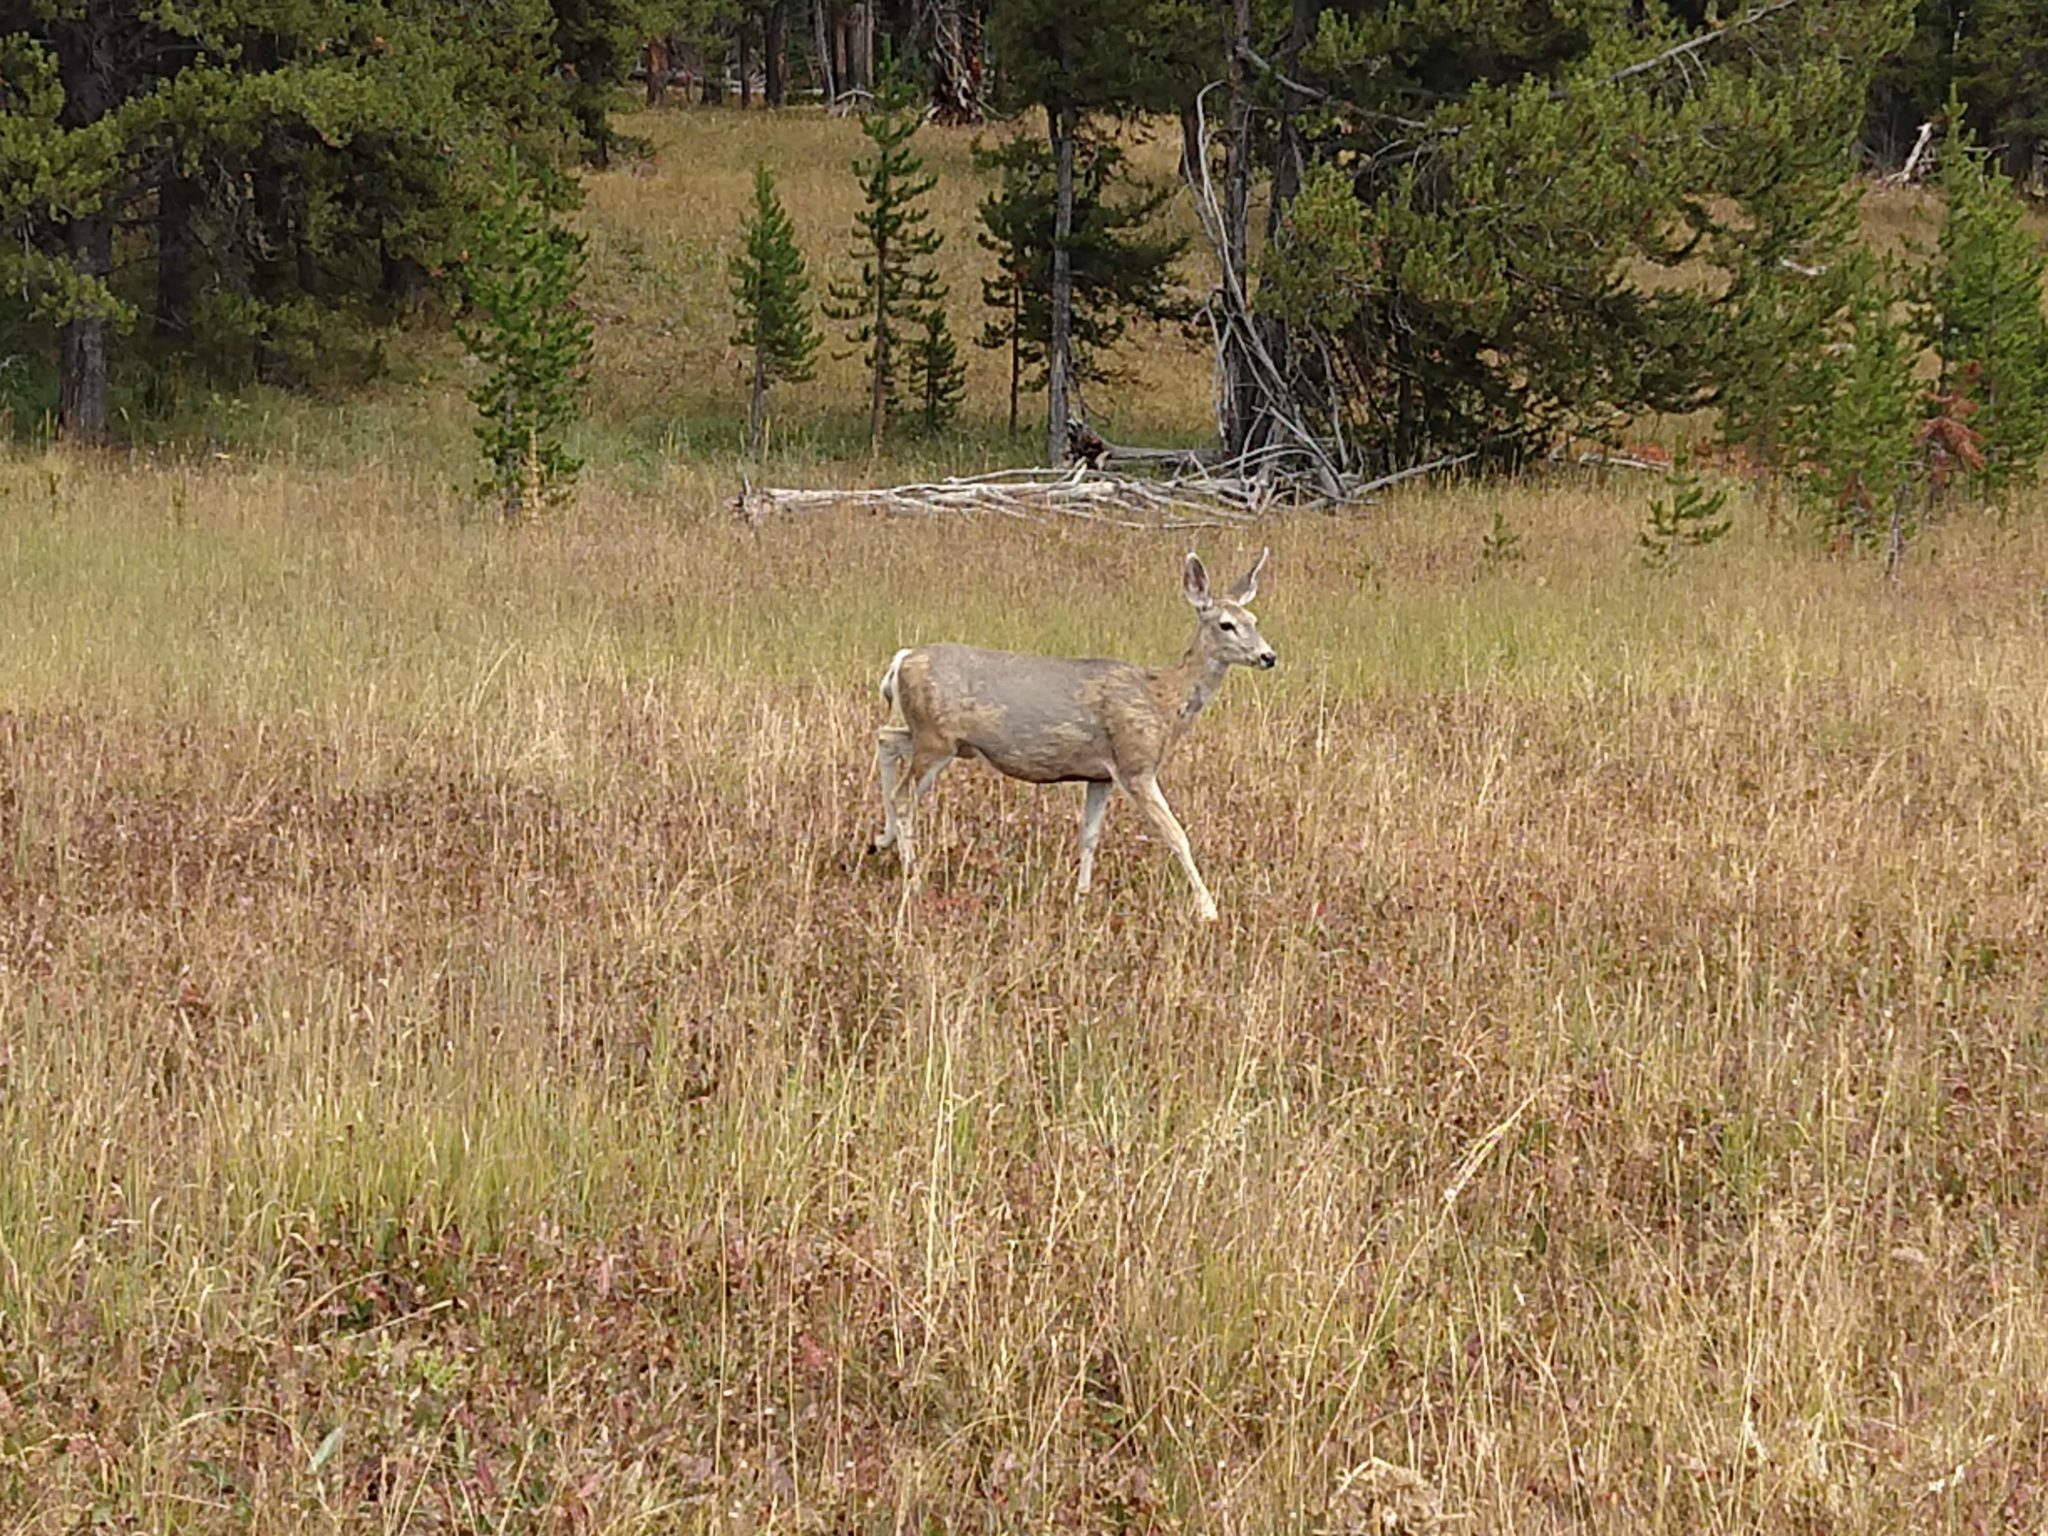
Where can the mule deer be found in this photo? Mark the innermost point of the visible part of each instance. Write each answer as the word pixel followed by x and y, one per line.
pixel 1061 720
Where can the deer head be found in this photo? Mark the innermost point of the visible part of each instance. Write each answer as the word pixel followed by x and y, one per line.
pixel 1226 634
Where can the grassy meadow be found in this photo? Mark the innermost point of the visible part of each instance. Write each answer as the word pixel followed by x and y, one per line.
pixel 458 1071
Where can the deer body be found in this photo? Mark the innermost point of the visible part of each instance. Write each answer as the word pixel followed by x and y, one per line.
pixel 1054 720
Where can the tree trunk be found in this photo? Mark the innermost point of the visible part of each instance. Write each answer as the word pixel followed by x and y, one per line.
pixel 401 280
pixel 1289 155
pixel 1016 343
pixel 82 413
pixel 657 71
pixel 273 239
pixel 177 204
pixel 859 74
pixel 956 70
pixel 82 378
pixel 821 38
pixel 757 410
pixel 878 401
pixel 1237 176
pixel 1062 124
pixel 746 69
pixel 774 54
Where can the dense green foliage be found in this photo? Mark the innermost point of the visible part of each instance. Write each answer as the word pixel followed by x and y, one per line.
pixel 277 175
pixel 1515 177
pixel 771 296
pixel 522 323
pixel 1980 311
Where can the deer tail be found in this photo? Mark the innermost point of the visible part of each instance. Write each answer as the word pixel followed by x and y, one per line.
pixel 889 677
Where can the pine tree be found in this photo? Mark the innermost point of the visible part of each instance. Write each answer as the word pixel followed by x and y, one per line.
pixel 1862 463
pixel 1980 312
pixel 1514 167
pixel 937 376
pixel 770 291
pixel 1690 517
pixel 524 325
pixel 1122 267
pixel 894 245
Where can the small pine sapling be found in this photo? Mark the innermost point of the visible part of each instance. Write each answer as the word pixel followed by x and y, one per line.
pixel 937 375
pixel 1690 517
pixel 1501 546
pixel 770 290
pixel 523 324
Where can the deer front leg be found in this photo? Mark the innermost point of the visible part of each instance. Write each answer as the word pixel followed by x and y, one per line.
pixel 1093 808
pixel 1152 804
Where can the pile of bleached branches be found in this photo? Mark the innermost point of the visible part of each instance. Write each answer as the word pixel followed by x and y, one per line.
pixel 1189 496
pixel 1188 500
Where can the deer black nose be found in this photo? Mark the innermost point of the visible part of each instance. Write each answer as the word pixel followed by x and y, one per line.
pixel 1268 660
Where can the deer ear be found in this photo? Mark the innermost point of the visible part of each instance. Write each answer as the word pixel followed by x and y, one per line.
pixel 1194 580
pixel 1247 586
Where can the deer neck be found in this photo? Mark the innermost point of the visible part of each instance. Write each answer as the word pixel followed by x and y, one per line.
pixel 1189 684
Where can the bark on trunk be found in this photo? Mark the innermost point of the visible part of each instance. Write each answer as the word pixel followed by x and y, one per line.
pixel 82 414
pixel 657 71
pixel 1236 207
pixel 1289 155
pixel 757 409
pixel 1017 279
pixel 774 54
pixel 1061 123
pixel 885 360
pixel 821 40
pixel 859 71
pixel 746 70
pixel 956 64
pixel 177 205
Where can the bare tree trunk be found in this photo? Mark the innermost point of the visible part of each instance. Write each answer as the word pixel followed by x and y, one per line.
pixel 822 39
pixel 1062 125
pixel 657 71
pixel 757 412
pixel 1017 280
pixel 774 54
pixel 885 360
pixel 956 71
pixel 1289 155
pixel 177 203
pixel 860 54
pixel 82 413
pixel 746 67
pixel 1237 176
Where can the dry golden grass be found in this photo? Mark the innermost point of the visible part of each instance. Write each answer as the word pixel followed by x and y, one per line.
pixel 457 1072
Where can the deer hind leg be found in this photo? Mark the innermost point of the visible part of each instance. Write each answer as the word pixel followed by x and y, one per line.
pixel 892 746
pixel 1152 805
pixel 1093 809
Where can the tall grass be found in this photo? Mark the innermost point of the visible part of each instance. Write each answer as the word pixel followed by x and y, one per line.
pixel 457 1071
